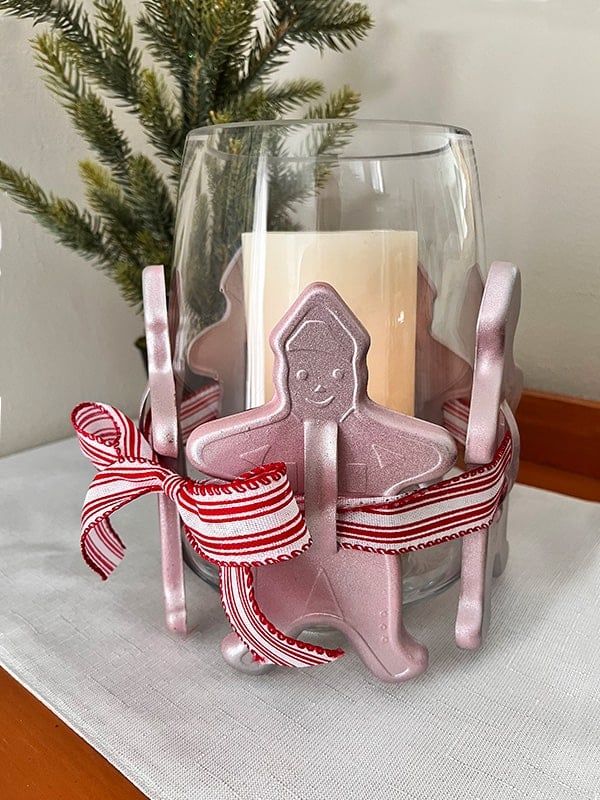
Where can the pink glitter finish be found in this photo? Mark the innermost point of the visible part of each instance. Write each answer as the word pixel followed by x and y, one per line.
pixel 334 441
pixel 496 382
pixel 164 440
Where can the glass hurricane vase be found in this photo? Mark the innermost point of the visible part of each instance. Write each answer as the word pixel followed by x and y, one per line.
pixel 389 213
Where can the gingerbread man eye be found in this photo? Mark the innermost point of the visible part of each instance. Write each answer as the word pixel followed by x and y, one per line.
pixel 338 374
pixel 301 375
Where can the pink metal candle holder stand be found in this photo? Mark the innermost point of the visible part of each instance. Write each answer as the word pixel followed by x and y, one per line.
pixel 370 482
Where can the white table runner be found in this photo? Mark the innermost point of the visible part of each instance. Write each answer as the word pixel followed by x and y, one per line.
pixel 519 719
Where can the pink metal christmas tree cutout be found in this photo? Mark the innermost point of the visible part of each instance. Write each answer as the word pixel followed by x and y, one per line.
pixel 441 374
pixel 219 351
pixel 335 442
pixel 164 435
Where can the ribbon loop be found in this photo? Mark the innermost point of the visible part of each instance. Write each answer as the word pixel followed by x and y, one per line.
pixel 106 435
pixel 173 485
pixel 251 521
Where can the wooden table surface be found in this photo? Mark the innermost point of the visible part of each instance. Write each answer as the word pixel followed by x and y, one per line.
pixel 42 759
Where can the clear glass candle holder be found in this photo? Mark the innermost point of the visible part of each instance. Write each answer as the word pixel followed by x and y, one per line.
pixel 389 213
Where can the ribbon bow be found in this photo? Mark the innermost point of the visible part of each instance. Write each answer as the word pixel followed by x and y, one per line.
pixel 251 521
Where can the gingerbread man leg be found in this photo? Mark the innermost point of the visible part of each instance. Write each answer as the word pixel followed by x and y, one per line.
pixel 372 617
pixel 369 616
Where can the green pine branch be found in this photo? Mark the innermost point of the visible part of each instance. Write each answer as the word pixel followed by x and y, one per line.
pixel 214 61
pixel 167 28
pixel 150 198
pixel 319 23
pixel 67 16
pixel 114 31
pixel 270 102
pixel 329 24
pixel 161 118
pixel 108 200
pixel 341 104
pixel 89 113
pixel 103 48
pixel 76 229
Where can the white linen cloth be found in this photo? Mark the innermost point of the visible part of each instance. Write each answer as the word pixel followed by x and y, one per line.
pixel 518 719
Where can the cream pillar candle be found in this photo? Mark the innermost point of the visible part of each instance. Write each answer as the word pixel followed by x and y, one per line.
pixel 376 274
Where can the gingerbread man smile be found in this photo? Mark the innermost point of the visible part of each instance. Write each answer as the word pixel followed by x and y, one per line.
pixel 321 403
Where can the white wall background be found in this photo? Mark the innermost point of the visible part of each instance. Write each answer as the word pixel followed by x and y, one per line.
pixel 65 333
pixel 522 75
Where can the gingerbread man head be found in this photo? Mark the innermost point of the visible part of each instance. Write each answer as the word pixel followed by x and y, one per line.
pixel 319 357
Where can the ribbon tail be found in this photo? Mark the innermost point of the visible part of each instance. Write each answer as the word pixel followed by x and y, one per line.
pixel 111 489
pixel 262 638
pixel 102 548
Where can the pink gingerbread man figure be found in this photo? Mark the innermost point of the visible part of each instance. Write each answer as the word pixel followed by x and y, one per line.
pixel 335 442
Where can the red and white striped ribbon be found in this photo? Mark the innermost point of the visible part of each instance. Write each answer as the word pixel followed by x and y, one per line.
pixel 255 520
pixel 248 522
pixel 456 418
pixel 243 612
pixel 446 510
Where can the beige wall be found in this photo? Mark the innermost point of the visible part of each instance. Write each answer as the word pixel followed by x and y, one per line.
pixel 65 333
pixel 522 75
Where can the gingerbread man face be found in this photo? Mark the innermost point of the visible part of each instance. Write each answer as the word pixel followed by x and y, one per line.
pixel 321 378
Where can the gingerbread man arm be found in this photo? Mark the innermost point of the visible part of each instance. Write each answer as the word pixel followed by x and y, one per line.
pixel 401 451
pixel 225 451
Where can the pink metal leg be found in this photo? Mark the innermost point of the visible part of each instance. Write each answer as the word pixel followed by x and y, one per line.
pixel 514 387
pixel 501 557
pixel 485 552
pixel 165 440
